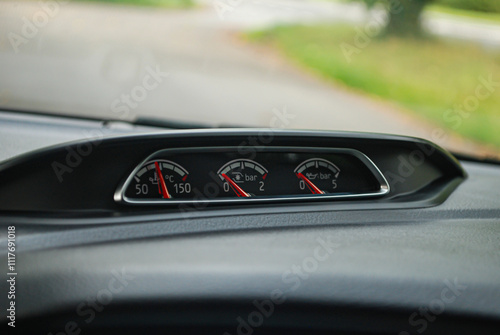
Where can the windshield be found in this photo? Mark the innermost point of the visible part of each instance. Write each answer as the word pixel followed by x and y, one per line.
pixel 421 68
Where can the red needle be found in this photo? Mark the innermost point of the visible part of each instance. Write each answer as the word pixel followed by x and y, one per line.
pixel 164 190
pixel 238 190
pixel 313 188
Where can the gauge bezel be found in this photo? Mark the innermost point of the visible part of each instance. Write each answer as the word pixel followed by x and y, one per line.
pixel 384 189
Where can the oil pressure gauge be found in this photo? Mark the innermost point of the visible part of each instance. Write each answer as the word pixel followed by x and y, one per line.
pixel 317 176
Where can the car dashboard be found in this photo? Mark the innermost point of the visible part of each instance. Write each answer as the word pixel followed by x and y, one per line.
pixel 250 231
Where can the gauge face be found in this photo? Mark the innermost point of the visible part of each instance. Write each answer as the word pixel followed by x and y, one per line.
pixel 162 179
pixel 243 178
pixel 317 176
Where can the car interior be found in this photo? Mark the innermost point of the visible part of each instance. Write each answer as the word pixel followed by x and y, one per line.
pixel 168 224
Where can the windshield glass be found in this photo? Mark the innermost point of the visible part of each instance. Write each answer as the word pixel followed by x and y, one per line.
pixel 421 68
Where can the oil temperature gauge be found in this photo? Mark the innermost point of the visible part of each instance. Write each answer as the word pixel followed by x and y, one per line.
pixel 160 179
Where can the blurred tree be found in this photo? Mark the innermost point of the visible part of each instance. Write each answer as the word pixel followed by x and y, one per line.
pixel 403 16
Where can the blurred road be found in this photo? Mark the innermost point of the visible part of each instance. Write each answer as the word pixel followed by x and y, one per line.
pixel 108 61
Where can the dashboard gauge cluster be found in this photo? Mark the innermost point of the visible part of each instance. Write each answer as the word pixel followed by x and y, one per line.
pixel 229 174
pixel 186 170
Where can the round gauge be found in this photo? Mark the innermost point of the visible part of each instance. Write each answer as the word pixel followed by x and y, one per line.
pixel 243 178
pixel 317 176
pixel 160 179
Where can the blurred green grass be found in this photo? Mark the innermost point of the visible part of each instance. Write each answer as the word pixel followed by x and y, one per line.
pixel 428 77
pixel 150 3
